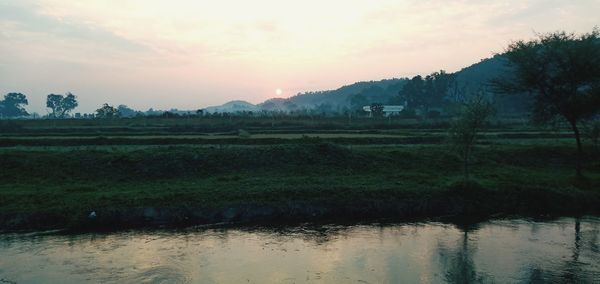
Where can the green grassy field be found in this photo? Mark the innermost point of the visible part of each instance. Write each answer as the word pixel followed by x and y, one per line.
pixel 46 171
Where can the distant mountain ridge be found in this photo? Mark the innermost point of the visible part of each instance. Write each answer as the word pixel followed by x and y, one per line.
pixel 374 90
pixel 379 91
pixel 383 91
pixel 233 106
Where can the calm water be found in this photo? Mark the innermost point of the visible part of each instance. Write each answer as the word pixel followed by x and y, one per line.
pixel 501 251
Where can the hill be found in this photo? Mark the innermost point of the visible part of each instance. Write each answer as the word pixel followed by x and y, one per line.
pixel 374 91
pixel 233 106
pixel 386 91
pixel 479 76
pixel 469 80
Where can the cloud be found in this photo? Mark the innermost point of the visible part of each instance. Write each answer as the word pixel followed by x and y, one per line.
pixel 25 18
pixel 203 52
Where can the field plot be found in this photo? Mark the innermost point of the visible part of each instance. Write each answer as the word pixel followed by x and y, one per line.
pixel 183 131
pixel 374 169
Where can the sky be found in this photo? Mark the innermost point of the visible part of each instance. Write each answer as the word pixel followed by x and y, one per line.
pixel 189 54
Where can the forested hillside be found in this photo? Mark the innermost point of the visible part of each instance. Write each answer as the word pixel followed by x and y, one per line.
pixel 439 91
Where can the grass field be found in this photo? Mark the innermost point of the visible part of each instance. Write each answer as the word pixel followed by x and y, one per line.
pixel 46 171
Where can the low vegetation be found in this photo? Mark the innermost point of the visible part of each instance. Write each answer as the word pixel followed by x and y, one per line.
pixel 66 185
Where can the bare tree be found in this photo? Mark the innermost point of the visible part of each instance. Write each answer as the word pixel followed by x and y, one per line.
pixel 463 133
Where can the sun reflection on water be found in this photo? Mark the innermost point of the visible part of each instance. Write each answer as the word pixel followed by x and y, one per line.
pixel 494 251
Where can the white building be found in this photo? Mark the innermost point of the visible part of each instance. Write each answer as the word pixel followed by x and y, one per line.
pixel 387 110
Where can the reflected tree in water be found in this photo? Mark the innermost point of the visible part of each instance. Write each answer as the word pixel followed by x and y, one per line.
pixel 458 262
pixel 571 270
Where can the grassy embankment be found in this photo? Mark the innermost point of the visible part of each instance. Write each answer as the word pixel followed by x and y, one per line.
pixel 61 188
pixel 45 184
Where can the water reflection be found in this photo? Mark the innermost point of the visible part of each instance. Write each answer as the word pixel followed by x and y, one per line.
pixel 574 269
pixel 458 263
pixel 504 251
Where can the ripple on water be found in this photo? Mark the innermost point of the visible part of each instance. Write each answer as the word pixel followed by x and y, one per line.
pixel 160 274
pixel 503 251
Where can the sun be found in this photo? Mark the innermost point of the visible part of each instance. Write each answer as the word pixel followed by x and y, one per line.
pixel 278 92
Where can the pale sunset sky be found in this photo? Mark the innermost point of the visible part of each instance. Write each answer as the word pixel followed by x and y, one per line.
pixel 189 54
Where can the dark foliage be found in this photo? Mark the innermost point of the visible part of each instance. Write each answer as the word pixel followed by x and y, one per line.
pixel 13 105
pixel 61 105
pixel 107 111
pixel 561 72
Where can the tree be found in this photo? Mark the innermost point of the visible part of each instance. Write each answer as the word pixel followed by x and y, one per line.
pixel 413 92
pixel 107 111
pixel 561 72
pixel 61 105
pixel 13 105
pixel 376 110
pixel 463 133
pixel 168 114
pixel 429 92
pixel 126 111
pixel 437 86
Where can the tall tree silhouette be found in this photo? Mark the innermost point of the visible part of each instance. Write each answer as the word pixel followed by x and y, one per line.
pixel 561 71
pixel 13 105
pixel 61 105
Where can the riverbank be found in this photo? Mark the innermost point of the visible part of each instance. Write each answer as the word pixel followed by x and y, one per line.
pixel 181 186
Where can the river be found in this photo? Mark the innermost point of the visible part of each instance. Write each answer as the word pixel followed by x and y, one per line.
pixel 495 251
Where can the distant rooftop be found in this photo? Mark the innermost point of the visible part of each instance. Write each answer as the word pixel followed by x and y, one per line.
pixel 387 108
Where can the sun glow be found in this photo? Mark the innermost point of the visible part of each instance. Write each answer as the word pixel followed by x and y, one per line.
pixel 203 52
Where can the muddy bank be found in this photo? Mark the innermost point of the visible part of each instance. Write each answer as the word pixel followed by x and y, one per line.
pixel 458 203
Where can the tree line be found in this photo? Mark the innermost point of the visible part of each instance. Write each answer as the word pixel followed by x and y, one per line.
pixel 62 106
